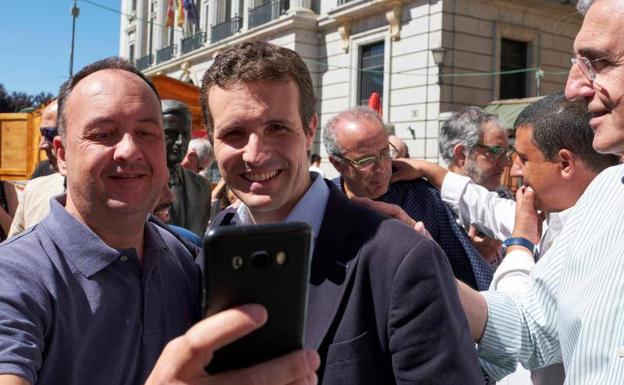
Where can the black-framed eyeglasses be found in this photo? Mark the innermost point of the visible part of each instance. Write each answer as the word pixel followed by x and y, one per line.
pixel 366 162
pixel 587 66
pixel 497 151
pixel 48 133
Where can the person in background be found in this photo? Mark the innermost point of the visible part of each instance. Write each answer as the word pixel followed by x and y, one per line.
pixel 398 148
pixel 8 205
pixel 35 203
pixel 199 156
pixel 48 131
pixel 315 165
pixel 357 143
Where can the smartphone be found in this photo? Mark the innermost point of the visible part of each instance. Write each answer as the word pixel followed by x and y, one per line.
pixel 266 264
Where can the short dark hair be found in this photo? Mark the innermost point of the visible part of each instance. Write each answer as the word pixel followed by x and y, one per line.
pixel 111 63
pixel 315 158
pixel 178 108
pixel 258 61
pixel 561 124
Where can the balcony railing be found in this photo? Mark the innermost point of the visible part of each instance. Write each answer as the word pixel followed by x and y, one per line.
pixel 144 62
pixel 343 2
pixel 164 54
pixel 194 42
pixel 227 28
pixel 267 12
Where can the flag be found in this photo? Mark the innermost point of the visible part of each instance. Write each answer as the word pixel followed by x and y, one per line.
pixel 170 14
pixel 191 11
pixel 180 19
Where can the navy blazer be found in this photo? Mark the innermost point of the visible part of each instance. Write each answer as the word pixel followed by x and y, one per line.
pixel 383 305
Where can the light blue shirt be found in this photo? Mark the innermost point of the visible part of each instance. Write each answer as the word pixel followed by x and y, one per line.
pixel 573 309
pixel 310 208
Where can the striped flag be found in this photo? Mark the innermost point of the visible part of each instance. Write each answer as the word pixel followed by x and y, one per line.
pixel 180 19
pixel 170 14
pixel 191 11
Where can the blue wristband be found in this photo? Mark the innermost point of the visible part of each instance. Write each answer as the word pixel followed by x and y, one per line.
pixel 520 241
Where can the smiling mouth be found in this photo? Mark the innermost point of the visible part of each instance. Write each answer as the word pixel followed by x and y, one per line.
pixel 260 176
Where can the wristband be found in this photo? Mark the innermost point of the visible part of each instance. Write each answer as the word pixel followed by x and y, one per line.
pixel 520 241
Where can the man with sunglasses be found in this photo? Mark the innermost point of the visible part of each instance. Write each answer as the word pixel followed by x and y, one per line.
pixel 357 143
pixel 473 143
pixel 48 132
pixel 35 203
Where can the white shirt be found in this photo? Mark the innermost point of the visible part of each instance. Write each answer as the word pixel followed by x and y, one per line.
pixel 573 309
pixel 496 216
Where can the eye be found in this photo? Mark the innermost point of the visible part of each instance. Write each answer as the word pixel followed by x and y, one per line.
pixel 277 128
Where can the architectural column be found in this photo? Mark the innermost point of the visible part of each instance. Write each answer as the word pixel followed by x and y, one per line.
pixel 244 13
pixel 300 5
pixel 213 16
pixel 140 42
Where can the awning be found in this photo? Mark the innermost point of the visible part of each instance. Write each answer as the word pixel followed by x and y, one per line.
pixel 508 110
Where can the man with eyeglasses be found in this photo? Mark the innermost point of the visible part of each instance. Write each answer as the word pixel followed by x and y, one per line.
pixel 35 202
pixel 357 143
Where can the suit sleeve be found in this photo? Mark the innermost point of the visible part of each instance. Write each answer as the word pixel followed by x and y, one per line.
pixel 428 333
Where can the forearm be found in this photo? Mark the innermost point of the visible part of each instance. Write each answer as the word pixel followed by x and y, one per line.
pixel 475 308
pixel 475 205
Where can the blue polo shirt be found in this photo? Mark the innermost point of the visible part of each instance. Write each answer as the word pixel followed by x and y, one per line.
pixel 76 311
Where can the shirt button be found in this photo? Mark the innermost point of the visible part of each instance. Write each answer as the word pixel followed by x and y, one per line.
pixel 620 352
pixel 123 258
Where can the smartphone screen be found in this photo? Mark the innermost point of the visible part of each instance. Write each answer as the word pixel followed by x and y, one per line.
pixel 265 264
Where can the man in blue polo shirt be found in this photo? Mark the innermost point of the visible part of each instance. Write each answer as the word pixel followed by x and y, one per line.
pixel 94 293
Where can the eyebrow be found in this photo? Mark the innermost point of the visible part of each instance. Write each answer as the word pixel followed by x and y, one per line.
pixel 593 53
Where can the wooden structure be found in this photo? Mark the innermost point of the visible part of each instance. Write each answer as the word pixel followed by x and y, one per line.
pixel 187 93
pixel 19 145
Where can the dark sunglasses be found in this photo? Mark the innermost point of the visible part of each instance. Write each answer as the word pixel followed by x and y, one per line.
pixel 49 133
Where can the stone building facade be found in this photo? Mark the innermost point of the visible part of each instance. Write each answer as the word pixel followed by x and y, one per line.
pixel 354 47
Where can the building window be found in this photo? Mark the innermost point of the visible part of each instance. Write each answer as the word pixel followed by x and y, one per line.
pixel 514 55
pixel 371 71
pixel 134 5
pixel 131 53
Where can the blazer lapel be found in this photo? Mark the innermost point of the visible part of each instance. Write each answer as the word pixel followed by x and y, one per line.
pixel 333 264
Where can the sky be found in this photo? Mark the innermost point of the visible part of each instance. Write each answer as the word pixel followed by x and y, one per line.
pixel 35 41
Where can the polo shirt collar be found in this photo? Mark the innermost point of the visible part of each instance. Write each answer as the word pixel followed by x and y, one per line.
pixel 79 244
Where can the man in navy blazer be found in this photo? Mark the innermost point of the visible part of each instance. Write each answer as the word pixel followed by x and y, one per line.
pixel 383 305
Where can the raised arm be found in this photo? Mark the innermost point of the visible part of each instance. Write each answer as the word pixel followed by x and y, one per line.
pixel 183 360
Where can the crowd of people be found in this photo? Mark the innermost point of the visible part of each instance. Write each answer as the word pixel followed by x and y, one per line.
pixel 420 274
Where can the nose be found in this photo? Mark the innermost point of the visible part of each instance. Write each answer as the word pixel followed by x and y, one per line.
pixel 127 149
pixel 516 168
pixel 255 151
pixel 578 86
pixel 44 144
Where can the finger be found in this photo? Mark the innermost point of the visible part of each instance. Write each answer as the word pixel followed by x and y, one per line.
pixel 214 332
pixel 472 232
pixel 296 367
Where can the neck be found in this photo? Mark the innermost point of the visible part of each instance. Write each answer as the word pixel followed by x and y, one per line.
pixel 117 230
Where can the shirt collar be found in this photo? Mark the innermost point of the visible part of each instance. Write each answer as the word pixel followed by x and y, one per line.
pixel 80 245
pixel 306 210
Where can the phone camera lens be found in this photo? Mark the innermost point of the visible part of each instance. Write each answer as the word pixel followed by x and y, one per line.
pixel 237 262
pixel 260 259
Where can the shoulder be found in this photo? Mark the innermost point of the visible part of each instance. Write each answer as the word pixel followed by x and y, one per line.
pixel 198 179
pixel 55 179
pixel 413 186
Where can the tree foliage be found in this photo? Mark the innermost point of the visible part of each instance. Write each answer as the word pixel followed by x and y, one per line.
pixel 17 101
